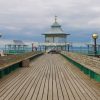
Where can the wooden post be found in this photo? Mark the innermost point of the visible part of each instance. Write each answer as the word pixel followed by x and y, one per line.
pixel 32 47
pixel 25 63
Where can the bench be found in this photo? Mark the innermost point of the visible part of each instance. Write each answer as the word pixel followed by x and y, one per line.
pixel 8 68
pixel 92 71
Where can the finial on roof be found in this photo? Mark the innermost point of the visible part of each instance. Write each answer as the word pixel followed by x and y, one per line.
pixel 55 18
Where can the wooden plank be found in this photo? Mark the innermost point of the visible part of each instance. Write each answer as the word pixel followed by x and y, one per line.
pixel 60 73
pixel 60 93
pixel 84 85
pixel 84 90
pixel 19 92
pixel 46 88
pixel 17 85
pixel 50 77
pixel 36 92
pixel 28 93
pixel 12 83
pixel 50 84
pixel 77 92
pixel 13 75
pixel 55 90
pixel 41 91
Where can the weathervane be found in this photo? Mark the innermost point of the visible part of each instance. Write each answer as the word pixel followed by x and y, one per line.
pixel 55 18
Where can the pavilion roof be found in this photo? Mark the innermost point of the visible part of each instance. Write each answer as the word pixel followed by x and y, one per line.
pixel 56 35
pixel 17 42
pixel 55 29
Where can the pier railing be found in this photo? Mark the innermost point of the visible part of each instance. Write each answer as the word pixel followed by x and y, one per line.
pixel 88 64
pixel 12 62
pixel 53 44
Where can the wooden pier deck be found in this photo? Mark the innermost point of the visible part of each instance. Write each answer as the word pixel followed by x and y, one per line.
pixel 49 77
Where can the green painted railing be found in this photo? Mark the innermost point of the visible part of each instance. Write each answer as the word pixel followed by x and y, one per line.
pixel 84 69
pixel 6 70
pixel 9 69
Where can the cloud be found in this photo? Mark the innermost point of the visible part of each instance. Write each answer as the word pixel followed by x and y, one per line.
pixel 25 19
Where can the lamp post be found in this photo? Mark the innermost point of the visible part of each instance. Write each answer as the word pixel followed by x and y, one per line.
pixel 68 47
pixel 95 36
pixel 88 48
pixel 0 34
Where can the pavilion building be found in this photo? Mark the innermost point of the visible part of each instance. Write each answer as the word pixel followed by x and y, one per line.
pixel 16 47
pixel 56 38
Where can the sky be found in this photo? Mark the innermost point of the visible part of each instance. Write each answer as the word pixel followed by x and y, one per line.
pixel 27 19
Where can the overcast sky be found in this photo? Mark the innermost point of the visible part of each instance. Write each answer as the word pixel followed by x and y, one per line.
pixel 28 19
